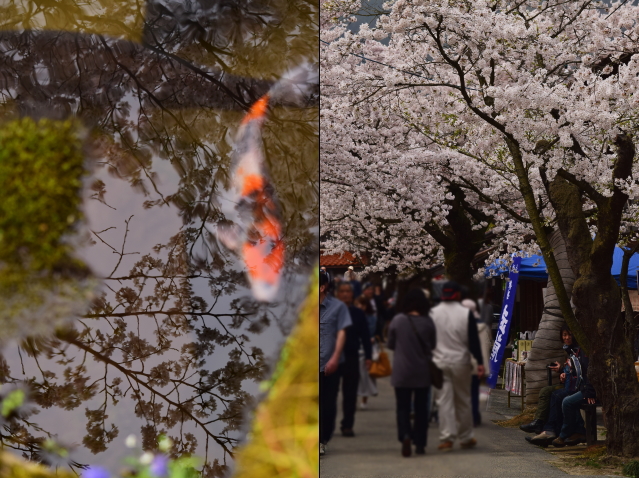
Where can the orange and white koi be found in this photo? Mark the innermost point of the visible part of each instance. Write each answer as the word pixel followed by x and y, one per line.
pixel 256 233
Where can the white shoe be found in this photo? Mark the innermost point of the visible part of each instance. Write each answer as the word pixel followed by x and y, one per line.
pixel 322 449
pixel 363 406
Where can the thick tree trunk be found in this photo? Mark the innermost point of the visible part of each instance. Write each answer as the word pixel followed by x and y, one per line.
pixel 458 260
pixel 547 346
pixel 459 238
pixel 597 302
pixel 611 370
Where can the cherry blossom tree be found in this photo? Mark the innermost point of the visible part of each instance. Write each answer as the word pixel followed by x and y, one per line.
pixel 390 191
pixel 544 91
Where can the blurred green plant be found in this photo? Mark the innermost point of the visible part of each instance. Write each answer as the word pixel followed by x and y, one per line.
pixel 41 169
pixel 41 172
pixel 15 399
pixel 284 437
pixel 631 469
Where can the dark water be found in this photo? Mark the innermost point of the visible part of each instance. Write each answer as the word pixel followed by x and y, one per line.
pixel 173 341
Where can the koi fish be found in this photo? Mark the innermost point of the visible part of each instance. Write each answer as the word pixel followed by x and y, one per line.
pixel 256 233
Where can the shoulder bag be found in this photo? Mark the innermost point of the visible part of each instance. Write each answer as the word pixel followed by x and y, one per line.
pixel 382 366
pixel 436 374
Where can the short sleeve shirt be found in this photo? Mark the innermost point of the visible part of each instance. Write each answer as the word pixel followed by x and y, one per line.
pixel 334 317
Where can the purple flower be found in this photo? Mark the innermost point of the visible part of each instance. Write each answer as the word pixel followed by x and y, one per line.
pixel 159 466
pixel 95 472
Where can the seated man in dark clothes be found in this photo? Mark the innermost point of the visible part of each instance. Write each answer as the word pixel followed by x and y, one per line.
pixel 542 414
pixel 356 334
pixel 565 425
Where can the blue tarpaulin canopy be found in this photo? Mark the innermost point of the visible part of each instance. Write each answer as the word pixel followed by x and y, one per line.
pixel 534 268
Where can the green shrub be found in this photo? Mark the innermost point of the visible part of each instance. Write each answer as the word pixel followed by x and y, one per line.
pixel 41 172
pixel 631 469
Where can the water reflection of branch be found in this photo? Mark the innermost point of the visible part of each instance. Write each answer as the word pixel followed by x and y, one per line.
pixel 70 337
pixel 164 312
pixel 146 276
pixel 122 253
pixel 239 100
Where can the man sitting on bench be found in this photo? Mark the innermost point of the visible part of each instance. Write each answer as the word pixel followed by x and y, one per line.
pixel 564 417
pixel 573 430
pixel 542 415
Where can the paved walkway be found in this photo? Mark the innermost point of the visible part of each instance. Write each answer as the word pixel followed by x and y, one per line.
pixel 375 451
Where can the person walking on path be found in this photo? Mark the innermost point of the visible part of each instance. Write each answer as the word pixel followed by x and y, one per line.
pixel 457 339
pixel 412 336
pixel 367 384
pixel 484 341
pixel 356 335
pixel 378 297
pixel 351 276
pixel 334 318
pixel 368 291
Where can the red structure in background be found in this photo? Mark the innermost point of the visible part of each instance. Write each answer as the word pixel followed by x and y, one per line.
pixel 337 264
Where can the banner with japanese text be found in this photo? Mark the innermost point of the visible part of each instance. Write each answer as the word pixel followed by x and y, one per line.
pixel 505 319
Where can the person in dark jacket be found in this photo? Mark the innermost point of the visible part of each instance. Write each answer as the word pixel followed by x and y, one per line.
pixel 412 336
pixel 356 336
pixel 573 430
pixel 542 415
pixel 378 297
pixel 565 425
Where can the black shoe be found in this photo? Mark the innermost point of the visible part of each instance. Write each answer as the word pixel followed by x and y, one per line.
pixel 348 432
pixel 420 450
pixel 406 451
pixel 536 427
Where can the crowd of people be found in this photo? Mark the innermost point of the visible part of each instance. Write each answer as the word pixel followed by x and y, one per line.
pixel 352 322
pixel 440 347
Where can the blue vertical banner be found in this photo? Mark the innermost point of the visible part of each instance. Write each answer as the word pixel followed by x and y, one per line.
pixel 505 319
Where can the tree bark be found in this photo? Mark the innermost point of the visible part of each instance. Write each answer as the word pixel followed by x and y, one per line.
pixel 611 370
pixel 597 300
pixel 460 238
pixel 541 235
pixel 458 259
pixel 547 346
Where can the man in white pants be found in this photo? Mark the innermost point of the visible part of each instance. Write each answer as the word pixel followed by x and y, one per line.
pixel 457 339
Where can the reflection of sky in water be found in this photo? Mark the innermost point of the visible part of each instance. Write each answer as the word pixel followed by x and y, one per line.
pixel 147 228
pixel 179 122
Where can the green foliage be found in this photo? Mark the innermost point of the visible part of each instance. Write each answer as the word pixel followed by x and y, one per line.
pixel 593 463
pixel 13 400
pixel 631 469
pixel 143 467
pixel 41 170
pixel 284 439
pixel 16 467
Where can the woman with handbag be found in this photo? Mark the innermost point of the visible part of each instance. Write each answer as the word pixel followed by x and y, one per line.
pixel 412 336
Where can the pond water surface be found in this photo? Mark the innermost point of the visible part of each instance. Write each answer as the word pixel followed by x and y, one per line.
pixel 173 341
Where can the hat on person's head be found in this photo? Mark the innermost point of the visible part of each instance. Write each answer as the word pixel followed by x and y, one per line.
pixel 367 285
pixel 451 291
pixel 350 268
